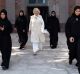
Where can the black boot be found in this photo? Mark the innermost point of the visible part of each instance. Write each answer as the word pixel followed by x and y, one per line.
pixel 22 46
pixel 53 47
pixel 2 64
pixel 5 68
pixel 79 70
pixel 70 61
pixel 77 64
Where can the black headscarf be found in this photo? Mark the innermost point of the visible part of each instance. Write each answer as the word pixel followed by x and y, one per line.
pixel 75 8
pixel 54 13
pixel 22 12
pixel 5 12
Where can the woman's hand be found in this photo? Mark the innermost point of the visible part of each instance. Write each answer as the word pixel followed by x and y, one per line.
pixel 15 30
pixel 1 28
pixel 24 31
pixel 71 39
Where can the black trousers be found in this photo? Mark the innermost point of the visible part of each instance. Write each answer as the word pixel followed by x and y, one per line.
pixel 6 54
pixel 23 37
pixel 53 39
pixel 78 54
pixel 72 50
pixel 6 48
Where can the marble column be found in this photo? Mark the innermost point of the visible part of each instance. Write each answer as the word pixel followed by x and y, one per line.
pixel 78 2
pixel 53 5
pixel 63 7
pixel 71 5
pixel 10 7
pixel 2 4
pixel 20 5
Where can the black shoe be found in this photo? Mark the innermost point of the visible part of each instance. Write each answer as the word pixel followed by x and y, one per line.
pixel 34 54
pixel 5 68
pixel 77 64
pixel 21 48
pixel 19 41
pixel 2 64
pixel 70 61
pixel 79 70
pixel 53 47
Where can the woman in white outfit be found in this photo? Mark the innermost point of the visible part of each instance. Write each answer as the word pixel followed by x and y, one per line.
pixel 36 28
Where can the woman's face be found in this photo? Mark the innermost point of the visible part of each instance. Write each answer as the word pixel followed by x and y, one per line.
pixel 53 14
pixel 3 15
pixel 36 13
pixel 77 12
pixel 21 13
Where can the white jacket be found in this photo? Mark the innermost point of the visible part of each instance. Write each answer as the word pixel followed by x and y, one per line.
pixel 36 27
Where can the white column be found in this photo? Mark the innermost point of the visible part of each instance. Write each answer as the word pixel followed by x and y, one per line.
pixel 21 5
pixel 78 2
pixel 63 10
pixel 10 7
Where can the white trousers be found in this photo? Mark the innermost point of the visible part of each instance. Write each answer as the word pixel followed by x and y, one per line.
pixel 36 47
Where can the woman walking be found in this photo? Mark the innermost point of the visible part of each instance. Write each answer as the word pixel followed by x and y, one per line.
pixel 21 25
pixel 72 30
pixel 36 28
pixel 5 39
pixel 53 28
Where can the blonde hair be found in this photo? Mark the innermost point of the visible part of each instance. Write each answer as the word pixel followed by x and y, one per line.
pixel 36 10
